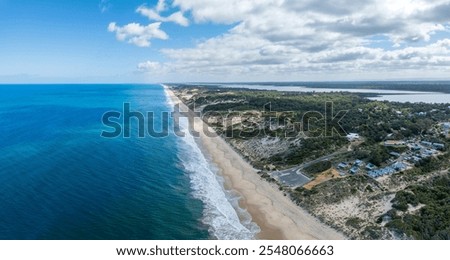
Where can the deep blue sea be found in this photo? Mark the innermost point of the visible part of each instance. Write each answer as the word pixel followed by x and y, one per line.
pixel 59 179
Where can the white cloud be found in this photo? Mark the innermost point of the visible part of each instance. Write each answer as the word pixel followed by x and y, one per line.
pixel 161 6
pixel 137 34
pixel 154 70
pixel 230 11
pixel 154 14
pixel 151 67
pixel 292 39
pixel 104 5
pixel 309 39
pixel 140 35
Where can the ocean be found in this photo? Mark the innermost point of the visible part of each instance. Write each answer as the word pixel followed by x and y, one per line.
pixel 60 179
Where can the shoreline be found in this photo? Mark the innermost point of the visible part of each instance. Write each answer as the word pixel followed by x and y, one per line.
pixel 276 215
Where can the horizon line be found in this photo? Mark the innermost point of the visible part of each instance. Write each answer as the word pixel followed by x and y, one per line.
pixel 228 82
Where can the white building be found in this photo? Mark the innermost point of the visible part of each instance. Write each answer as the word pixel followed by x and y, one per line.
pixel 353 136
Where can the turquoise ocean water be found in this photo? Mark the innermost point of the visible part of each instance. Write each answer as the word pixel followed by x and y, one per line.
pixel 59 179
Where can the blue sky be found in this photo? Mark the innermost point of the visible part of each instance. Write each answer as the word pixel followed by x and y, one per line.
pixel 68 41
pixel 267 40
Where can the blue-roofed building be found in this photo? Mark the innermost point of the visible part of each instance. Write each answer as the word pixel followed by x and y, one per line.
pixel 354 170
pixel 416 159
pixel 370 166
pixel 398 166
pixel 342 165
pixel 447 129
pixel 424 155
pixel 358 162
pixel 395 154
pixel 426 143
pixel 429 152
pixel 416 147
pixel 439 146
pixel 372 174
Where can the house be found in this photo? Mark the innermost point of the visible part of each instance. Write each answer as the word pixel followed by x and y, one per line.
pixel 377 173
pixel 353 136
pixel 426 143
pixel 394 143
pixel 372 174
pixel 354 170
pixel 358 163
pixel 395 154
pixel 398 166
pixel 446 129
pixel 439 146
pixel 389 170
pixel 416 147
pixel 446 126
pixel 429 152
pixel 342 165
pixel 384 171
pixel 370 166
pixel 424 155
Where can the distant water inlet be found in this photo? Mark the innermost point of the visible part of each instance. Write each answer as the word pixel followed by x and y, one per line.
pixel 381 94
pixel 431 98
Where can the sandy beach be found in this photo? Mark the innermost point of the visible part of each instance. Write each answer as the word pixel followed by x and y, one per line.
pixel 276 215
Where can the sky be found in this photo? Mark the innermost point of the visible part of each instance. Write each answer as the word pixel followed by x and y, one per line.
pixel 136 41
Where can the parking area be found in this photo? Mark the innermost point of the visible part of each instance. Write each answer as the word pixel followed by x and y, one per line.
pixel 291 177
